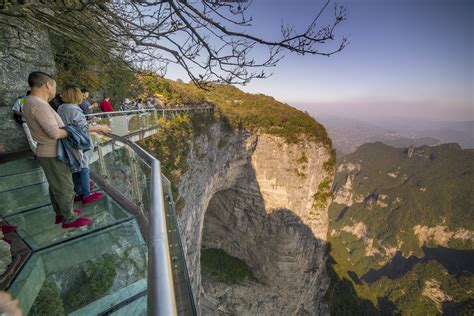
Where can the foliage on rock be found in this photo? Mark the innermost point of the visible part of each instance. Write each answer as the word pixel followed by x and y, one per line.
pixel 224 267
pixel 401 221
pixel 49 301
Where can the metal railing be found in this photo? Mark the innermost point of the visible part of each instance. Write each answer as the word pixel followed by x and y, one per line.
pixel 162 276
pixel 150 110
pixel 127 122
pixel 161 294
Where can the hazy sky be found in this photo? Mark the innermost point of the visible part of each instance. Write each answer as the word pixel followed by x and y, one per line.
pixel 408 58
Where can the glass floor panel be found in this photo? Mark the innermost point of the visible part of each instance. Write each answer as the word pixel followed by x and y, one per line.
pixel 119 302
pixel 19 200
pixel 137 307
pixel 18 166
pixel 20 180
pixel 84 276
pixel 37 226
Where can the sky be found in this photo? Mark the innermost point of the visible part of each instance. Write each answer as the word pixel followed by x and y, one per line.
pixel 406 58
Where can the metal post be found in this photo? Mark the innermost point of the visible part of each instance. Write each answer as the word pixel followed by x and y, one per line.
pixel 100 154
pixel 136 192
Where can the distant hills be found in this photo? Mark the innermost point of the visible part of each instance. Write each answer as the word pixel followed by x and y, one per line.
pixel 348 134
pixel 402 229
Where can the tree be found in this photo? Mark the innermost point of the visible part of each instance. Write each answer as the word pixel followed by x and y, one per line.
pixel 207 38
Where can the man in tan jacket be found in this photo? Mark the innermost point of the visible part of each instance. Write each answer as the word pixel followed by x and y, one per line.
pixel 45 126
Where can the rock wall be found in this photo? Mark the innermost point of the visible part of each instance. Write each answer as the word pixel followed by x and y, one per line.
pixel 23 48
pixel 252 195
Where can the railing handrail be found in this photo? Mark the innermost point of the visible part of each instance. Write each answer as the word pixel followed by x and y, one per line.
pixel 125 112
pixel 161 292
pixel 121 112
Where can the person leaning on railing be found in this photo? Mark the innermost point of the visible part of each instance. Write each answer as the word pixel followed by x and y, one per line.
pixel 71 114
pixel 85 105
pixel 45 125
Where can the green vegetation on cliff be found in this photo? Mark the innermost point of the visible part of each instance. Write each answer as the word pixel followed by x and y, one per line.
pixel 96 283
pixel 234 109
pixel 98 71
pixel 323 194
pixel 224 267
pixel 49 301
pixel 401 227
pixel 172 144
pixel 260 112
pixel 243 110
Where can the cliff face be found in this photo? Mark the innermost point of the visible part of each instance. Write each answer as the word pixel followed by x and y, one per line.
pixel 23 48
pixel 252 195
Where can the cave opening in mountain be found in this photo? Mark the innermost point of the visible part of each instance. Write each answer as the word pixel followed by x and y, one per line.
pixel 270 261
pixel 230 227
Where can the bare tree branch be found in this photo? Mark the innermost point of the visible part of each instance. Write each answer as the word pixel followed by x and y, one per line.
pixel 206 38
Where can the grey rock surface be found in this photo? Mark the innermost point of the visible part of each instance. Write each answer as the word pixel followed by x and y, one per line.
pixel 23 48
pixel 253 198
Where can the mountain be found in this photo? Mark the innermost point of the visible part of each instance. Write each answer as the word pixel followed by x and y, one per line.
pixel 401 228
pixel 348 134
pixel 252 185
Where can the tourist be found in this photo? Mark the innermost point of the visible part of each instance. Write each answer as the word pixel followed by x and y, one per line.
pixel 56 102
pixel 149 103
pixel 125 105
pixel 46 128
pixel 18 113
pixel 86 105
pixel 105 105
pixel 71 114
pixel 138 104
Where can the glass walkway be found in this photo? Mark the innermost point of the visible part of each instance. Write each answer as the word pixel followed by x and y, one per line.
pixel 129 261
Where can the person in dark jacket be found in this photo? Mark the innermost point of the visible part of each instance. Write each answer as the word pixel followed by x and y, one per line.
pixel 86 105
pixel 56 102
pixel 72 115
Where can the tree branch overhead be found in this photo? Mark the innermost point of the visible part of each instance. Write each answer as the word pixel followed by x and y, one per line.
pixel 208 39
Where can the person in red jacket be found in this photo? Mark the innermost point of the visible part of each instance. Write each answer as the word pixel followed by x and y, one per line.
pixel 106 106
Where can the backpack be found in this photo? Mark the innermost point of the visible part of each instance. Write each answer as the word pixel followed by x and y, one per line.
pixel 16 117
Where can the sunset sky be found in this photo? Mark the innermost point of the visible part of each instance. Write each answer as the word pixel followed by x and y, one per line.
pixel 407 58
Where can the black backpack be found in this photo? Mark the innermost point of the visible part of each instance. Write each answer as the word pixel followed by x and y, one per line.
pixel 18 118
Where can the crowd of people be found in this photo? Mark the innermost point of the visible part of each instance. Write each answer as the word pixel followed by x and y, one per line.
pixel 57 127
